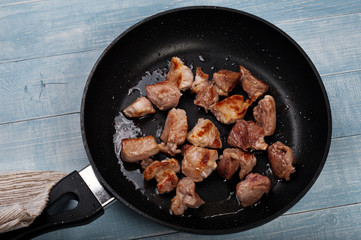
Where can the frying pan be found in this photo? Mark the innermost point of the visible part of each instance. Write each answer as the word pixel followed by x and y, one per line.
pixel 212 38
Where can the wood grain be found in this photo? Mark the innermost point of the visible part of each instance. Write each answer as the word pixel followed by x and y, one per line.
pixel 330 42
pixel 44 87
pixel 309 225
pixel 55 144
pixel 33 88
pixel 28 92
pixel 33 29
pixel 48 47
pixel 344 94
pixel 45 144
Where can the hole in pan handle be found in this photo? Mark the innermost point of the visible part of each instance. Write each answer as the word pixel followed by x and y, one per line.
pixel 84 188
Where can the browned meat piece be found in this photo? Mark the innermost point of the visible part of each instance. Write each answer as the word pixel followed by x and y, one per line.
pixel 186 197
pixel 247 135
pixel 146 162
pixel 205 134
pixel 248 161
pixel 206 93
pixel 238 136
pixel 179 74
pixel 164 95
pixel 225 81
pixel 165 174
pixel 174 132
pixel 252 85
pixel 207 96
pixel 200 80
pixel 232 159
pixel 265 114
pixel 228 163
pixel 250 190
pixel 198 163
pixel 281 159
pixel 136 149
pixel 139 108
pixel 230 109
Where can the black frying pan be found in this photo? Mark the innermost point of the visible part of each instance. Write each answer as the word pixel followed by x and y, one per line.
pixel 212 38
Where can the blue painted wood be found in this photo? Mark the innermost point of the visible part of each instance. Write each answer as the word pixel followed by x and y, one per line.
pixel 47 49
pixel 29 92
pixel 338 182
pixel 55 144
pixel 43 144
pixel 32 29
pixel 330 42
pixel 118 222
pixel 344 94
pixel 33 88
pixel 336 223
pixel 44 86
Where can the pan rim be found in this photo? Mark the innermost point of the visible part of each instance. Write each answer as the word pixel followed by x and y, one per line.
pixel 207 231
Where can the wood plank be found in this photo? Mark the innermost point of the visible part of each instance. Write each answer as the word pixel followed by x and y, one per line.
pixel 331 43
pixel 54 86
pixel 44 86
pixel 338 183
pixel 47 49
pixel 34 88
pixel 44 144
pixel 291 11
pixel 343 91
pixel 118 222
pixel 334 223
pixel 33 29
pixel 55 144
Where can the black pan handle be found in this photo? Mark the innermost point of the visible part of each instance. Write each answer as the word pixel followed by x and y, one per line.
pixel 53 217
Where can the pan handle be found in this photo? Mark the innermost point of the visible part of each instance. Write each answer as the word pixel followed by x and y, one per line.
pixel 74 188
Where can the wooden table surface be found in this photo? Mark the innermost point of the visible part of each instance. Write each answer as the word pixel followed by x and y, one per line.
pixel 48 47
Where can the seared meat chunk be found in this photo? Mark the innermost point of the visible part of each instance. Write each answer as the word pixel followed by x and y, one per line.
pixel 136 149
pixel 139 108
pixel 281 159
pixel 265 114
pixel 238 136
pixel 228 163
pixel 247 135
pixel 252 85
pixel 179 74
pixel 165 174
pixel 250 190
pixel 230 109
pixel 200 80
pixel 164 95
pixel 198 163
pixel 174 132
pixel 186 197
pixel 248 161
pixel 232 159
pixel 205 134
pixel 225 81
pixel 206 93
pixel 207 96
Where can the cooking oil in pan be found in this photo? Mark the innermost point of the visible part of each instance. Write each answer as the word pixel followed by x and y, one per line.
pixel 158 75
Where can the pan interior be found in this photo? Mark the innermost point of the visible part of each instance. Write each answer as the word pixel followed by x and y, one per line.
pixel 213 39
